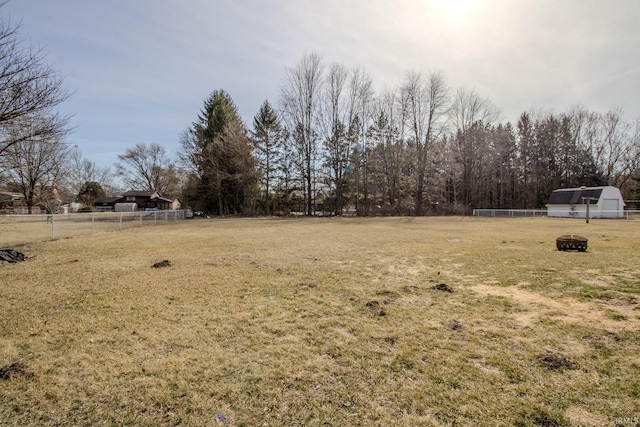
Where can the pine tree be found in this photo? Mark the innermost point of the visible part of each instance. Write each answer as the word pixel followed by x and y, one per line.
pixel 218 151
pixel 267 141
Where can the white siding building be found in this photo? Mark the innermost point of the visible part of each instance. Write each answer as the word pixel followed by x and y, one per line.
pixel 604 202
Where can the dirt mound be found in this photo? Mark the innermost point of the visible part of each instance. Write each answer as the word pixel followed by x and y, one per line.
pixel 375 308
pixel 442 287
pixel 165 263
pixel 13 370
pixel 555 361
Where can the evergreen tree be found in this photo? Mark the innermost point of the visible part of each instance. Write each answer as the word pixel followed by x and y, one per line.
pixel 267 141
pixel 217 151
pixel 89 192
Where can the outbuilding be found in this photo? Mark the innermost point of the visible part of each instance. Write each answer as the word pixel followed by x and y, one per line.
pixel 125 207
pixel 604 202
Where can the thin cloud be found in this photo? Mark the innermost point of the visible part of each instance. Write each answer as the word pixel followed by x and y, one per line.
pixel 141 70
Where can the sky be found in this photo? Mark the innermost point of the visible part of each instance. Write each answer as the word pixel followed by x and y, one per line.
pixel 139 71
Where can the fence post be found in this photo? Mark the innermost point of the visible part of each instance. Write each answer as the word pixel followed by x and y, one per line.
pixel 53 229
pixel 140 220
pixel 120 221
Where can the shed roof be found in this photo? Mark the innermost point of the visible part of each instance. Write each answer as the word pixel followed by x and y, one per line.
pixel 575 196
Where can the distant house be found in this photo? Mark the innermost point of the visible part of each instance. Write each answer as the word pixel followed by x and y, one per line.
pixel 70 207
pixel 10 198
pixel 140 198
pixel 144 200
pixel 10 201
pixel 160 203
pixel 107 204
pixel 176 204
pixel 604 202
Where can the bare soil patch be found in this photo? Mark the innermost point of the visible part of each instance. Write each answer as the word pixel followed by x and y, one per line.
pixel 535 306
pixel 442 287
pixel 13 370
pixel 554 361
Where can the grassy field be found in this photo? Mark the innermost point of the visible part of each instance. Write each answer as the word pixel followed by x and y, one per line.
pixel 325 322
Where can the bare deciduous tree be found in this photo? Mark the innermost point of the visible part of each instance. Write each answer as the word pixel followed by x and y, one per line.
pixel 300 100
pixel 146 167
pixel 468 107
pixel 361 96
pixel 30 89
pixel 34 167
pixel 613 138
pixel 334 130
pixel 80 171
pixel 470 118
pixel 425 101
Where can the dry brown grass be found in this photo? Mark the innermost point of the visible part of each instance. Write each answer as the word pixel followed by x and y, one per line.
pixel 326 322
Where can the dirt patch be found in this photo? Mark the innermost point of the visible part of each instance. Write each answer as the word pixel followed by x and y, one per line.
pixel 581 417
pixel 442 287
pixel 374 308
pixel 389 296
pixel 536 306
pixel 486 367
pixel 11 371
pixel 458 240
pixel 454 325
pixel 540 417
pixel 165 263
pixel 555 361
pixel 309 285
pixel 544 420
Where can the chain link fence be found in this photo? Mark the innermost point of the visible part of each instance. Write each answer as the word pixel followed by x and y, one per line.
pixel 505 213
pixel 510 212
pixel 22 229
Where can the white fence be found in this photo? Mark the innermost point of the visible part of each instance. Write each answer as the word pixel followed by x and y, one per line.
pixel 21 229
pixel 627 214
pixel 510 212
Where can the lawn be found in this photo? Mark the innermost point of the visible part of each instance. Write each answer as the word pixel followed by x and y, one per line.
pixel 325 322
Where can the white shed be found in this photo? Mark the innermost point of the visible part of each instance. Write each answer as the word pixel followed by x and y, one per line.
pixel 604 202
pixel 125 207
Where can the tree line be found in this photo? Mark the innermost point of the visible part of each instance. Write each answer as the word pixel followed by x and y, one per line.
pixel 329 144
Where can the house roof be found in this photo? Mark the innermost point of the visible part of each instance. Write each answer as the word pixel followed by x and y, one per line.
pixel 164 199
pixel 137 193
pixel 11 196
pixel 107 200
pixel 575 196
